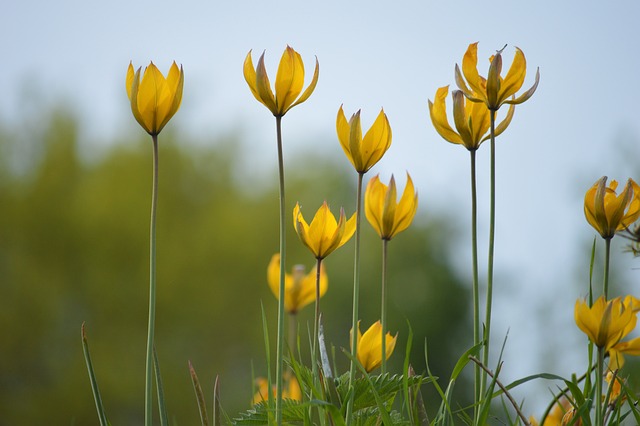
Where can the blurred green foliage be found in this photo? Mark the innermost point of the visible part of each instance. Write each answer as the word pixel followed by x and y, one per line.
pixel 74 249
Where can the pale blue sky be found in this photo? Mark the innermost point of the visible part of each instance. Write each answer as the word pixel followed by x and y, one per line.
pixel 375 55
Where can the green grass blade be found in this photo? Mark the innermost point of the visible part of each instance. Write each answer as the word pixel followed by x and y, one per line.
pixel 162 408
pixel 92 377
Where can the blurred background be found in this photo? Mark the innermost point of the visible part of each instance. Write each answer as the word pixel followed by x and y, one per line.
pixel 75 182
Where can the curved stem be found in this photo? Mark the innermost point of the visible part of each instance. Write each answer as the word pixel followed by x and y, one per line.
pixel 148 396
pixel 474 253
pixel 607 257
pixel 492 229
pixel 356 295
pixel 280 343
pixel 384 306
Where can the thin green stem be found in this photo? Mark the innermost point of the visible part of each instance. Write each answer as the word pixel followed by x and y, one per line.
pixel 492 230
pixel 356 295
pixel 607 256
pixel 474 254
pixel 316 321
pixel 598 396
pixel 280 343
pixel 383 367
pixel 148 394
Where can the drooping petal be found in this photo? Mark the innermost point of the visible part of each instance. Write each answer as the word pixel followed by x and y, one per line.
pixel 438 114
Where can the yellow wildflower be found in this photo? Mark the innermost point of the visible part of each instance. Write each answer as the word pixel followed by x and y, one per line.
pixel 289 82
pixel 609 213
pixel 370 346
pixel 606 323
pixel 324 234
pixel 299 289
pixel 290 391
pixel 495 90
pixel 471 119
pixel 387 216
pixel 365 152
pixel 154 100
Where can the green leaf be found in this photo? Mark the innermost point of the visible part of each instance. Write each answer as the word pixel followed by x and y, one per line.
pixel 92 377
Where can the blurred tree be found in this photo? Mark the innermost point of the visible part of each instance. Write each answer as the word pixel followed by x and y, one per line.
pixel 74 249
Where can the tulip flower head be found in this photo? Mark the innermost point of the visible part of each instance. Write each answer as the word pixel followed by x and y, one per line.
pixel 289 82
pixel 609 213
pixel 494 91
pixel 387 216
pixel 291 390
pixel 324 234
pixel 370 346
pixel 299 288
pixel 471 119
pixel 154 99
pixel 606 323
pixel 365 152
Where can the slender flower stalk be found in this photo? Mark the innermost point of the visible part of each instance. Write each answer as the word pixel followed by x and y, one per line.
pixel 472 121
pixel 283 246
pixel 322 236
pixel 154 100
pixel 493 92
pixel 363 153
pixel 388 217
pixel 356 296
pixel 288 93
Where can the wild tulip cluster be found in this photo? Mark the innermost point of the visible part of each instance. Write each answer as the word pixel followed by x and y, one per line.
pixel 307 391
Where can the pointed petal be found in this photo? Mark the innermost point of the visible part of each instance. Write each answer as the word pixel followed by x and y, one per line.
pixel 515 77
pixel 470 71
pixel 263 87
pixel 312 86
pixel 526 95
pixel 250 76
pixel 289 79
pixel 129 79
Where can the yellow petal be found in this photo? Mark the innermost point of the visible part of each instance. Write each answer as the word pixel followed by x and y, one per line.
pixel 250 75
pixel 438 114
pixel 263 87
pixel 514 79
pixel 407 208
pixel 470 71
pixel 129 80
pixel 375 142
pixel 312 86
pixel 289 79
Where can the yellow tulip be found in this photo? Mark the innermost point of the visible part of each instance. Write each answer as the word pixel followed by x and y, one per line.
pixel 289 82
pixel 370 346
pixel 609 213
pixel 606 323
pixel 387 216
pixel 365 152
pixel 324 234
pixel 291 390
pixel 154 100
pixel 299 289
pixel 471 119
pixel 495 90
